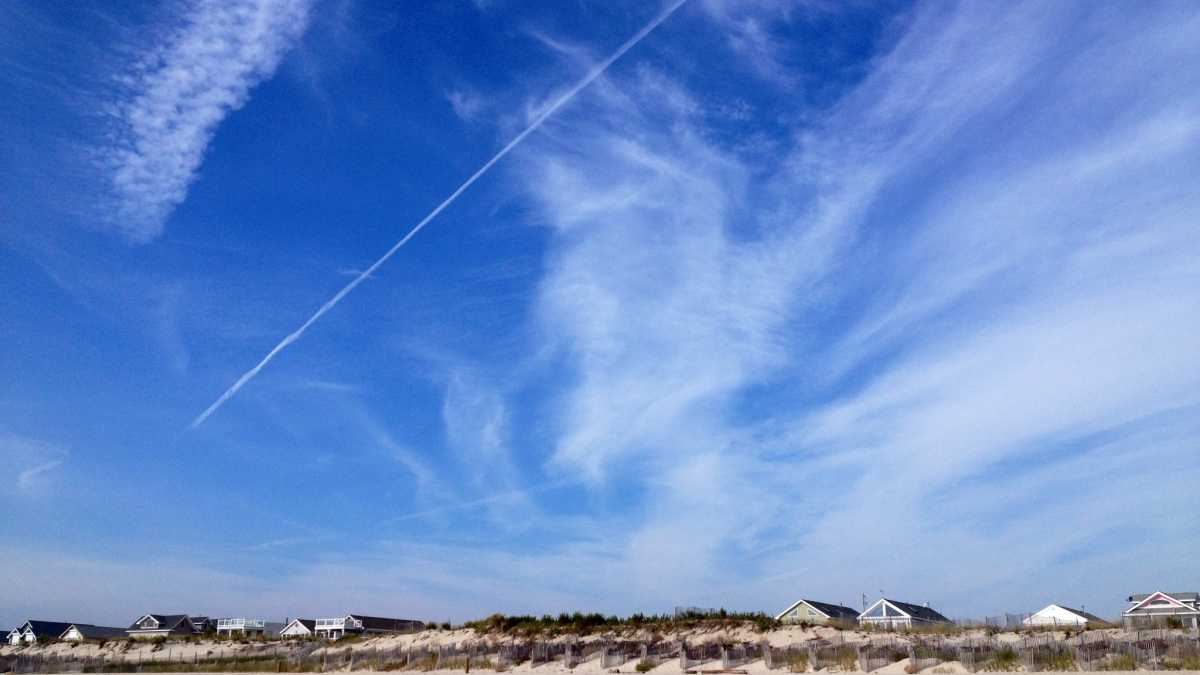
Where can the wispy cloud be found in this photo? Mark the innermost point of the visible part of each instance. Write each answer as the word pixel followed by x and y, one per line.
pixel 35 463
pixel 31 478
pixel 943 288
pixel 466 103
pixel 179 92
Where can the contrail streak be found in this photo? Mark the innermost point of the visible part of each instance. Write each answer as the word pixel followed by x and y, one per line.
pixel 595 72
pixel 544 487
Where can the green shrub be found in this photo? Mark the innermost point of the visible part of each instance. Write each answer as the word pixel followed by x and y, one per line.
pixel 1061 660
pixel 1003 659
pixel 1120 662
pixel 644 666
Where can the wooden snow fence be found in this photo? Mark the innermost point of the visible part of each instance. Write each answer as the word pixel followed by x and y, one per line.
pixel 976 654
pixel 834 653
pixel 929 652
pixel 878 653
pixel 615 653
pixel 691 656
pixel 576 653
pixel 793 658
pixel 739 654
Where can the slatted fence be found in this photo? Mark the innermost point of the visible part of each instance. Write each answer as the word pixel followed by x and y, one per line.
pixel 1089 651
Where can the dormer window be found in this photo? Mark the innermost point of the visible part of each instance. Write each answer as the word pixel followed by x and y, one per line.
pixel 148 622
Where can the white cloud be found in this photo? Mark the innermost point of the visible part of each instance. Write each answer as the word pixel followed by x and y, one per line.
pixel 180 91
pixel 32 478
pixel 467 104
pixel 963 276
pixel 34 462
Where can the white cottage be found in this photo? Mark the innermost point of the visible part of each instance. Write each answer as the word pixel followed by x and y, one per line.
pixel 299 628
pixel 1061 615
pixel 161 625
pixel 249 627
pixel 34 630
pixel 1163 609
pixel 358 624
pixel 894 614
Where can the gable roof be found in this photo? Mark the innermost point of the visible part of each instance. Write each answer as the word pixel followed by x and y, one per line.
pixel 833 611
pixel 1079 612
pixel 310 624
pixel 50 629
pixel 830 610
pixel 88 631
pixel 1183 597
pixel 919 612
pixel 1086 616
pixel 165 622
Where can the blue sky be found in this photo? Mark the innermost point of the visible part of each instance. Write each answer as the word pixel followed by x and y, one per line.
pixel 796 299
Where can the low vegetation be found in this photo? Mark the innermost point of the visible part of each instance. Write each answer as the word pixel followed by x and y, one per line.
pixel 1061 661
pixel 1119 662
pixel 1004 659
pixel 579 623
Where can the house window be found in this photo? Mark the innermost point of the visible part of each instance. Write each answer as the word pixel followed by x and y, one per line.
pixel 149 623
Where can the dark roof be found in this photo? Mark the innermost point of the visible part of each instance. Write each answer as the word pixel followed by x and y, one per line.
pixel 165 621
pixel 1138 597
pixel 1087 615
pixel 380 623
pixel 834 611
pixel 50 629
pixel 918 611
pixel 310 624
pixel 89 631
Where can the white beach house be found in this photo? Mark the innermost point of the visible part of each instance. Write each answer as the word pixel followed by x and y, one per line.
pixel 298 628
pixel 162 625
pixel 249 627
pixel 34 630
pixel 1061 615
pixel 1163 609
pixel 892 614
pixel 358 624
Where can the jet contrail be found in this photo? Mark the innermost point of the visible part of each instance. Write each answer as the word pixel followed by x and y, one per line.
pixel 595 72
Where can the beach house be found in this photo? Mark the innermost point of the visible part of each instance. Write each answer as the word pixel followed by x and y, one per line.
pixel 1163 609
pixel 358 624
pixel 249 627
pixel 78 632
pixel 892 614
pixel 1061 615
pixel 161 625
pixel 817 613
pixel 298 628
pixel 34 630
pixel 14 637
pixel 202 624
